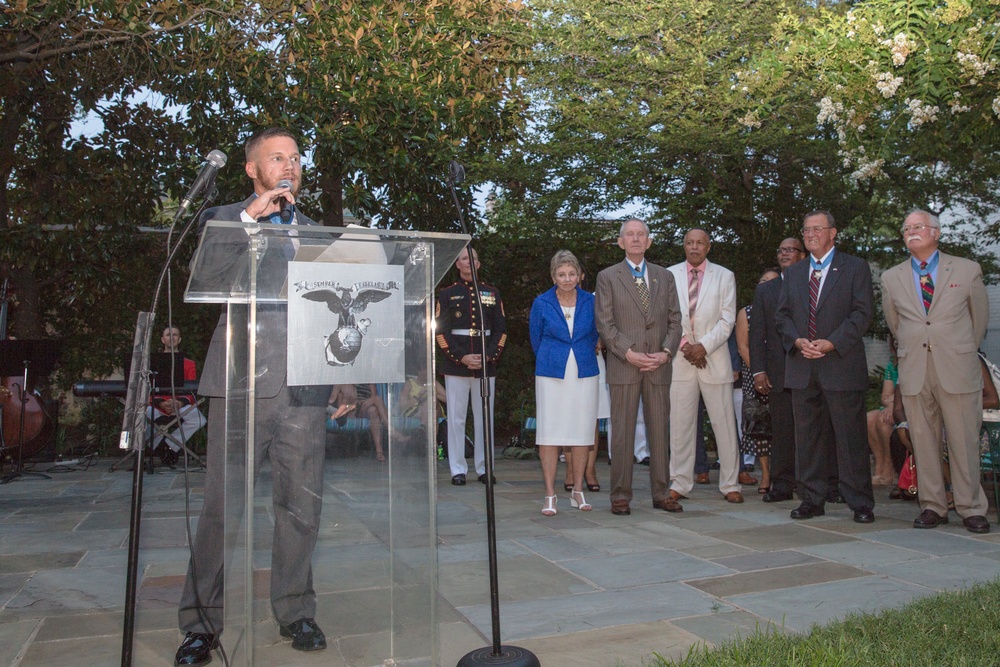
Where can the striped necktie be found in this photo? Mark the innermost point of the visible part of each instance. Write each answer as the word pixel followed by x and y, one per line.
pixel 813 298
pixel 693 286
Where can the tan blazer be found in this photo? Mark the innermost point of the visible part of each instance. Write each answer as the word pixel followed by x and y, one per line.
pixel 951 330
pixel 624 325
pixel 714 318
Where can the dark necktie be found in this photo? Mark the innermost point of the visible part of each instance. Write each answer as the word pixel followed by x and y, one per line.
pixel 926 287
pixel 813 298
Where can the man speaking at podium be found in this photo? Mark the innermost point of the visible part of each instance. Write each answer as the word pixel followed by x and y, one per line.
pixel 290 425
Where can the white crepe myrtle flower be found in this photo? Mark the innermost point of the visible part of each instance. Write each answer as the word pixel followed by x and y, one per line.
pixel 887 84
pixel 900 46
pixel 921 113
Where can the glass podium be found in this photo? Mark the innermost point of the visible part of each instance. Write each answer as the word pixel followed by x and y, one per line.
pixel 310 310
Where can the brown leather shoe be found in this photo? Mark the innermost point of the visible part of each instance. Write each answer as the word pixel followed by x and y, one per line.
pixel 669 504
pixel 976 524
pixel 620 507
pixel 747 479
pixel 734 497
pixel 929 519
pixel 701 478
pixel 675 496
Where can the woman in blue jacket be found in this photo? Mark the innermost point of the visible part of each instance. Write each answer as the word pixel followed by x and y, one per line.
pixel 564 338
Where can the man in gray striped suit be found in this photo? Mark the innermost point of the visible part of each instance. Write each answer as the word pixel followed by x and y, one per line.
pixel 639 320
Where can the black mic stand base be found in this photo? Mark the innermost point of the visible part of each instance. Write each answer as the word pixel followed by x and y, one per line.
pixel 509 656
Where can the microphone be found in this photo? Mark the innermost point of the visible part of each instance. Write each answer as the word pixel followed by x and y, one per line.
pixel 285 210
pixel 456 172
pixel 215 161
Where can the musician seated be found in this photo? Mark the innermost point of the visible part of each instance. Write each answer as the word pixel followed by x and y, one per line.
pixel 165 408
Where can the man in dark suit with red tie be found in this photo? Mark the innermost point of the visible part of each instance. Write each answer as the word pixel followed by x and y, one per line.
pixel 824 309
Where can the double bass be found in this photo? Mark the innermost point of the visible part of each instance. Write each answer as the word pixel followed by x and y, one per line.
pixel 24 431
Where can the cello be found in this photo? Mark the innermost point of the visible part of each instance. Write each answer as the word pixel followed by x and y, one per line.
pixel 26 427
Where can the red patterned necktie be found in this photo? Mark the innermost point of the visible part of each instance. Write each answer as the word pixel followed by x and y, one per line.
pixel 813 298
pixel 926 287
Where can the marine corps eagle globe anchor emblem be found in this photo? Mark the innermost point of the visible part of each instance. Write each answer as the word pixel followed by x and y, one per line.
pixel 344 344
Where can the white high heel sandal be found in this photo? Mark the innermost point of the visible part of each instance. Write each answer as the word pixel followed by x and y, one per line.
pixel 550 506
pixel 583 504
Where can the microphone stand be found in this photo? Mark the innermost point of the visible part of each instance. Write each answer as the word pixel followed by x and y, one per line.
pixel 497 654
pixel 134 430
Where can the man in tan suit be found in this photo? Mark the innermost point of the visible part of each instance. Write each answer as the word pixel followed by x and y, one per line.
pixel 937 309
pixel 706 370
pixel 639 321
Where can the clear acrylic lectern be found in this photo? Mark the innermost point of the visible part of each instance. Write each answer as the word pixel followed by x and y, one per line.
pixel 321 307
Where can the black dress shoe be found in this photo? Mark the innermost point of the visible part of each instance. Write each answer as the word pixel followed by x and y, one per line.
pixel 835 497
pixel 305 634
pixel 807 511
pixel 976 524
pixel 196 649
pixel 644 461
pixel 776 496
pixel 864 514
pixel 168 457
pixel 929 519
pixel 458 480
pixel 482 479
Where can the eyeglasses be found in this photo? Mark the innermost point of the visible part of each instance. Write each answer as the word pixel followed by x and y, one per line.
pixel 917 228
pixel 789 251
pixel 812 231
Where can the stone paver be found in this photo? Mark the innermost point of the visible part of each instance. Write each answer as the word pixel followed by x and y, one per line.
pixel 579 589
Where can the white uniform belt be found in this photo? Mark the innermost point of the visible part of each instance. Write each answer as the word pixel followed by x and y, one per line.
pixel 468 332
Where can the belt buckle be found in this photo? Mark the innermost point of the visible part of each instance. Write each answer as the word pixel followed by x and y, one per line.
pixel 473 332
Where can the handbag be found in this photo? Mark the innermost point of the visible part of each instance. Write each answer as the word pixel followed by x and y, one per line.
pixel 756 418
pixel 908 476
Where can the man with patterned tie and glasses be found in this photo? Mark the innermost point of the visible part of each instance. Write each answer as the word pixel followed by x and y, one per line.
pixel 936 307
pixel 824 309
pixel 639 320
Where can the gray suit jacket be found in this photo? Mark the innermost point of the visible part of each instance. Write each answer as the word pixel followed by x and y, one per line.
pixel 623 324
pixel 272 319
pixel 951 330
pixel 843 314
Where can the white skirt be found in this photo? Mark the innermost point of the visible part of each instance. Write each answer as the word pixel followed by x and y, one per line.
pixel 566 408
pixel 603 393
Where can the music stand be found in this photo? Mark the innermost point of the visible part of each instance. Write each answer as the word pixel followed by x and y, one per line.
pixel 166 370
pixel 30 359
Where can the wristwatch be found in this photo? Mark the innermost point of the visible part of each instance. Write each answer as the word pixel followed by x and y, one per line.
pixel 669 353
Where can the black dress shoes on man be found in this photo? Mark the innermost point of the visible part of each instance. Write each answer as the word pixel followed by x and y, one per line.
pixel 305 634
pixel 482 479
pixel 930 519
pixel 976 524
pixel 864 514
pixel 458 480
pixel 807 511
pixel 196 649
pixel 776 496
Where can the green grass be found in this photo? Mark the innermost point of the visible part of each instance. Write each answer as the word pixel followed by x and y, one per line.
pixel 948 629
